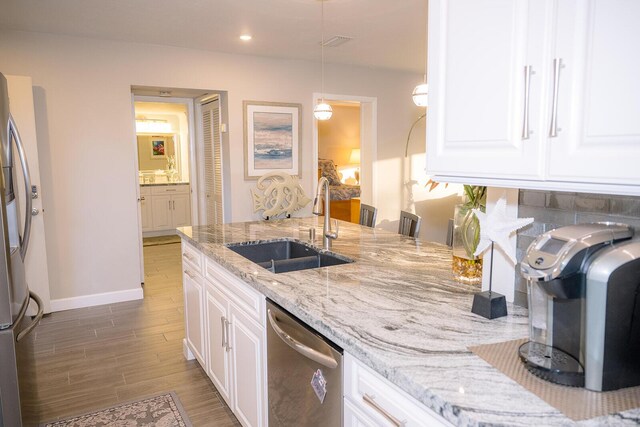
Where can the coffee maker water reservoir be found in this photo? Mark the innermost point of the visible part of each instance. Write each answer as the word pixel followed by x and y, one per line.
pixel 555 267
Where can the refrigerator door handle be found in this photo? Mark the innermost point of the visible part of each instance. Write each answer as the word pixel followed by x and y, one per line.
pixel 24 243
pixel 26 331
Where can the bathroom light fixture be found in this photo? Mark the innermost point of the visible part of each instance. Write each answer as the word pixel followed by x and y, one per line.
pixel 323 110
pixel 245 37
pixel 153 126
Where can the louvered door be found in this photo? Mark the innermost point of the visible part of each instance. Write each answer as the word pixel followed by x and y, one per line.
pixel 212 162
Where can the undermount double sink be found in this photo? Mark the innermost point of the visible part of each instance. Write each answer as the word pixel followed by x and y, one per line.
pixel 282 256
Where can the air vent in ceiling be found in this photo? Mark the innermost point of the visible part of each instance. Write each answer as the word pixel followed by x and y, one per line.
pixel 336 41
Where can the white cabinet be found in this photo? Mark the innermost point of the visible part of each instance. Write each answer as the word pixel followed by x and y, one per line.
pixel 371 400
pixel 193 288
pixel 234 335
pixel 165 207
pixel 218 368
pixel 534 93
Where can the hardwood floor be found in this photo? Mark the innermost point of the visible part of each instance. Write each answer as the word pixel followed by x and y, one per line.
pixel 91 358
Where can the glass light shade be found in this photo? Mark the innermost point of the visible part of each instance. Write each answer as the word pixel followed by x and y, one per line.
pixel 354 158
pixel 322 111
pixel 421 95
pixel 152 126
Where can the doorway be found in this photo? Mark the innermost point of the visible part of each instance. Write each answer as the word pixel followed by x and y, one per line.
pixel 352 146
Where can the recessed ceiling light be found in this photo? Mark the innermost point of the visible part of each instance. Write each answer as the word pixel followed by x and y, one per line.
pixel 245 37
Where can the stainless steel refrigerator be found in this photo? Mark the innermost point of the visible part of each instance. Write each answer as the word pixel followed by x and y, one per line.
pixel 15 326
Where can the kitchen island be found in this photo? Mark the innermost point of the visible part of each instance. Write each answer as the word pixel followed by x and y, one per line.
pixel 398 311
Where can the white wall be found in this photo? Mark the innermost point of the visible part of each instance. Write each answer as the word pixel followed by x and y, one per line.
pixel 82 91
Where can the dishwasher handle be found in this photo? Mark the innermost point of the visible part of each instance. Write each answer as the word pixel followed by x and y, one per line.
pixel 306 351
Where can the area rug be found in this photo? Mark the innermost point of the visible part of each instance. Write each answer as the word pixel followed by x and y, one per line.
pixel 574 402
pixel 160 240
pixel 164 410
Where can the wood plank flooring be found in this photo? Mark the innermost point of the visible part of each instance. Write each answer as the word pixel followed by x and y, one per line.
pixel 91 358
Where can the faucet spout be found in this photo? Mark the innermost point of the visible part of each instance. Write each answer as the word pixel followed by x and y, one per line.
pixel 327 233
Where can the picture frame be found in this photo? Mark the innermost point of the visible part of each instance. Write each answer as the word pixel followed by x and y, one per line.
pixel 272 135
pixel 158 148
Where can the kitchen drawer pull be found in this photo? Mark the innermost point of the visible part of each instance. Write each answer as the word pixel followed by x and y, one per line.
pixel 189 257
pixel 557 64
pixel 190 274
pixel 370 400
pixel 224 332
pixel 527 90
pixel 228 333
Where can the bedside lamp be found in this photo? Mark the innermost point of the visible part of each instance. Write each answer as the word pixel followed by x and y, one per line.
pixel 354 159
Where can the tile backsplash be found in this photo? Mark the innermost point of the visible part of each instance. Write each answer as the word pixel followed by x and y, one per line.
pixel 553 209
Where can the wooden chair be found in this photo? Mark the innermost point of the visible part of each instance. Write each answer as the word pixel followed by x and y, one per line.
pixel 409 224
pixel 368 215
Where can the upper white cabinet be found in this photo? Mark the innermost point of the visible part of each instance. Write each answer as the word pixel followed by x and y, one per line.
pixel 538 94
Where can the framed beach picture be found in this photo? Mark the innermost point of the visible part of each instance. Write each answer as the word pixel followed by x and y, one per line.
pixel 158 147
pixel 272 134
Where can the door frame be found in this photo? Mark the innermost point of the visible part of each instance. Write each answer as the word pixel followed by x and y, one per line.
pixel 368 143
pixel 193 167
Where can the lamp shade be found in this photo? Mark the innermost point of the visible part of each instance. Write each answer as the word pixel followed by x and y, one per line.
pixel 322 111
pixel 354 158
pixel 421 95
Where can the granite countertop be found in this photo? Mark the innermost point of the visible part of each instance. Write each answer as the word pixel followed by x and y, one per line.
pixel 398 310
pixel 158 184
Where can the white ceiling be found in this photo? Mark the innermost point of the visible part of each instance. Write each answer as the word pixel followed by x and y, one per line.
pixel 386 33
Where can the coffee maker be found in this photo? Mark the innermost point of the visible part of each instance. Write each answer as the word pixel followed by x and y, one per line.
pixel 572 315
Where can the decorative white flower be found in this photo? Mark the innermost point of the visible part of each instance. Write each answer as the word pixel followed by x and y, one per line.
pixel 497 227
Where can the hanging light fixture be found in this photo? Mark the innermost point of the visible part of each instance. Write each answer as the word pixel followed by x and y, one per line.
pixel 323 110
pixel 421 94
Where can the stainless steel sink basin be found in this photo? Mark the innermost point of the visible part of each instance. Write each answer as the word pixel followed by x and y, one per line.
pixel 281 256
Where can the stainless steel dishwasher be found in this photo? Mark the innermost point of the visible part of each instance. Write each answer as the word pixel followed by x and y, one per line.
pixel 304 373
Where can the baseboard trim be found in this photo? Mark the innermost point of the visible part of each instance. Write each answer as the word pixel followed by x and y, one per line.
pixel 96 299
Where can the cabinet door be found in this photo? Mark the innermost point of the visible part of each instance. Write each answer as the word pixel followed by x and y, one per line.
pixel 193 299
pixel 181 210
pixel 248 369
pixel 476 74
pixel 161 212
pixel 146 213
pixel 599 93
pixel 218 367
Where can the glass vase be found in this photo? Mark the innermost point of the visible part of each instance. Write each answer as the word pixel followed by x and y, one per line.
pixel 467 268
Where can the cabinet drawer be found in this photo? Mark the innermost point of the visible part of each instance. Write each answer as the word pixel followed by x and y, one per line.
pixel 192 257
pixel 145 191
pixel 170 189
pixel 383 402
pixel 250 300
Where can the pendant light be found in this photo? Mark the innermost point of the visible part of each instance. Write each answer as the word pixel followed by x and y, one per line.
pixel 323 110
pixel 421 94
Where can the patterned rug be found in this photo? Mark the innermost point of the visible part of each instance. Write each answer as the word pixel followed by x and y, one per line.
pixel 160 240
pixel 164 410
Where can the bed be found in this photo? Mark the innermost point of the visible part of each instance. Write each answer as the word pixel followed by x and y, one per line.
pixel 345 199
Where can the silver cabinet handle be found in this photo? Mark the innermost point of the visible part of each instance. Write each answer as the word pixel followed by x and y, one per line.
pixel 370 400
pixel 13 130
pixel 26 331
pixel 557 64
pixel 189 257
pixel 169 204
pixel 174 204
pixel 228 333
pixel 306 351
pixel 35 212
pixel 224 332
pixel 527 89
pixel 190 274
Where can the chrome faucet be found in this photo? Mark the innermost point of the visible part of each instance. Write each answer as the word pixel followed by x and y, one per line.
pixel 328 235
